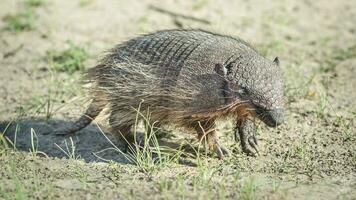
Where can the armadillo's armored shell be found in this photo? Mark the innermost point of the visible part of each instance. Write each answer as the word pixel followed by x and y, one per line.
pixel 173 72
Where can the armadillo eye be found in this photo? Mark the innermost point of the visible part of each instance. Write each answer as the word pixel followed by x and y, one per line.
pixel 242 91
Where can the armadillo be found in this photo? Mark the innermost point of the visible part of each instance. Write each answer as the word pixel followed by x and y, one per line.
pixel 189 79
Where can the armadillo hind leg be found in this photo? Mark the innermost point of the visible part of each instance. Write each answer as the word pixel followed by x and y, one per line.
pixel 124 132
pixel 247 132
pixel 121 125
pixel 207 136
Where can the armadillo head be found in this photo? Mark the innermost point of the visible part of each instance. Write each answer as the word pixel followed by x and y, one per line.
pixel 258 81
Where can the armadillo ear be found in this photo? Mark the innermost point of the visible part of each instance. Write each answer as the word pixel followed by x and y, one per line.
pixel 276 61
pixel 220 69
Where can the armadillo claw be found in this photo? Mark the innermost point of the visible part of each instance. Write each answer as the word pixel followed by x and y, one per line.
pixel 248 140
pixel 249 144
pixel 253 143
pixel 250 149
pixel 221 151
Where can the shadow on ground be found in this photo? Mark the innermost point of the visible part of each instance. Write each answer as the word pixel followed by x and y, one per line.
pixel 89 144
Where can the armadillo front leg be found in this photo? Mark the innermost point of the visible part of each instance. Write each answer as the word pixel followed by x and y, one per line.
pixel 207 136
pixel 247 132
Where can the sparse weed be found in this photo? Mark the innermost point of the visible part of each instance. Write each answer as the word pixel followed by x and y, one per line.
pixel 37 105
pixel 198 5
pixel 221 191
pixel 5 142
pixel 70 60
pixel 278 17
pixel 34 145
pixel 274 47
pixel 83 3
pixel 204 176
pixel 297 86
pixel 70 151
pixel 24 20
pixel 166 186
pixel 335 57
pixel 248 189
pixel 47 104
pixel 247 22
pixel 346 126
pixel 20 188
pixel 81 175
pixel 150 156
pixel 201 185
pixel 300 151
pixel 35 3
pixel 19 22
pixel 322 105
pixel 275 185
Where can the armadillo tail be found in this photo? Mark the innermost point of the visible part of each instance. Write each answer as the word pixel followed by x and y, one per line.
pixel 90 114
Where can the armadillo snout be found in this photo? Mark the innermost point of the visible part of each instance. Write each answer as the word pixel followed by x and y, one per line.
pixel 277 116
pixel 273 117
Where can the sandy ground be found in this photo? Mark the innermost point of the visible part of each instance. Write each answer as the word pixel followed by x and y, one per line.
pixel 311 156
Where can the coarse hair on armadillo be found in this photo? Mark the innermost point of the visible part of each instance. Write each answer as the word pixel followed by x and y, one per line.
pixel 129 85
